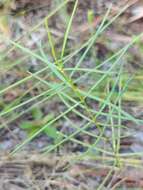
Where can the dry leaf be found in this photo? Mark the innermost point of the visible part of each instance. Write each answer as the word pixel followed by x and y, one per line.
pixel 4 26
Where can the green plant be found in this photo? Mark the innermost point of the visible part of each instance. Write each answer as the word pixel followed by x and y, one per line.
pixel 78 89
pixel 39 121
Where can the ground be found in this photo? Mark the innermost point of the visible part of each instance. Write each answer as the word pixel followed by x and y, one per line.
pixel 71 116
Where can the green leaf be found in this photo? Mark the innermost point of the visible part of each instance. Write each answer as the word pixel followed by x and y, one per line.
pixel 51 132
pixel 34 126
pixel 90 16
pixel 37 113
pixel 26 125
pixel 32 131
pixel 48 118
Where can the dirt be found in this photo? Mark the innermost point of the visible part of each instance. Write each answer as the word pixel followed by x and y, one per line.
pixel 65 169
pixel 61 172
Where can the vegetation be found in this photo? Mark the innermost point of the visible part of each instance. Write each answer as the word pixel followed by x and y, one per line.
pixel 71 96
